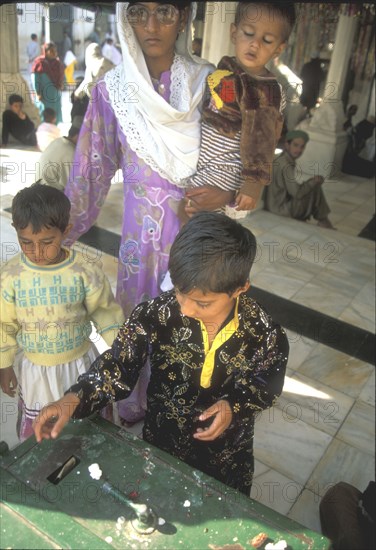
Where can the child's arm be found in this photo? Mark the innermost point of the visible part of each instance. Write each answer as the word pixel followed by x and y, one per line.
pixel 111 377
pixel 100 303
pixel 8 381
pixel 261 384
pixel 5 129
pixel 9 326
pixel 261 129
pixel 52 418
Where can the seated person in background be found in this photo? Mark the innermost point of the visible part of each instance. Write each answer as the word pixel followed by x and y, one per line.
pixel 47 131
pixel 17 123
pixel 216 357
pixel 57 160
pixel 353 162
pixel 350 112
pixel 285 196
pixel 348 516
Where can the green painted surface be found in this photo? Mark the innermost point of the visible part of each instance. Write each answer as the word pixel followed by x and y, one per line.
pixel 194 511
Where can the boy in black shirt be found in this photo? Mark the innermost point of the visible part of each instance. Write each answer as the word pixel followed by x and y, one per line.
pixel 17 123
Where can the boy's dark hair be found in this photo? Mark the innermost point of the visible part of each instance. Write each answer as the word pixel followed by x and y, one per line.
pixel 49 114
pixel 285 10
pixel 15 98
pixel 33 36
pixel 40 206
pixel 212 253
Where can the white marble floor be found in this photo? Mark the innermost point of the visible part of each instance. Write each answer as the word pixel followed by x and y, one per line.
pixel 322 428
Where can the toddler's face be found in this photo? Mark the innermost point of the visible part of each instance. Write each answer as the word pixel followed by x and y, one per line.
pixel 258 38
pixel 44 247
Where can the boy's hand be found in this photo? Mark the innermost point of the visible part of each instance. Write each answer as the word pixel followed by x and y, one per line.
pixel 206 197
pixel 222 419
pixel 245 202
pixel 52 418
pixel 8 381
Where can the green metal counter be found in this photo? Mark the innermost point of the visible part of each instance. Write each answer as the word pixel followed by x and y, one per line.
pixel 45 506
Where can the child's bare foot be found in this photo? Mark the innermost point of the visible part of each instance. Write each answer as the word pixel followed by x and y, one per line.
pixel 326 223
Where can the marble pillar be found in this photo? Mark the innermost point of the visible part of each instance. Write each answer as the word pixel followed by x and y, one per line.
pixel 216 39
pixel 324 152
pixel 11 81
pixel 343 48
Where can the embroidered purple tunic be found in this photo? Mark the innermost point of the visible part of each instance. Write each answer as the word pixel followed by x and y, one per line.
pixel 150 220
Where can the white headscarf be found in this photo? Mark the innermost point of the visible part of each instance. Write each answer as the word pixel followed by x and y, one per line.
pixel 166 136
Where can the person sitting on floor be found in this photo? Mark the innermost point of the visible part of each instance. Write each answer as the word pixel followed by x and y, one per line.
pixel 354 163
pixel 57 160
pixel 17 124
pixel 350 112
pixel 285 196
pixel 47 131
pixel 348 516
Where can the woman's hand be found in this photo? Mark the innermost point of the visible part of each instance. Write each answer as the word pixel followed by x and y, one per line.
pixel 52 418
pixel 8 381
pixel 222 419
pixel 245 202
pixel 207 198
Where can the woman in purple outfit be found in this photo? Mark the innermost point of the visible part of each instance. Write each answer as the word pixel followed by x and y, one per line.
pixel 144 117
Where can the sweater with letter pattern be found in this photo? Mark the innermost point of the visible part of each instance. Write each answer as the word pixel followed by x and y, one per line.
pixel 47 310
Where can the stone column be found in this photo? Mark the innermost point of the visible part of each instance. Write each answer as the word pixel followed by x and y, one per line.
pixel 343 48
pixel 325 150
pixel 216 39
pixel 11 81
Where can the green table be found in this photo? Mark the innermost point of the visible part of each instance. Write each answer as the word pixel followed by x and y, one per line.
pixel 189 509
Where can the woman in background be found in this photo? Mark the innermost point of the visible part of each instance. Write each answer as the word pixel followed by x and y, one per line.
pixel 48 80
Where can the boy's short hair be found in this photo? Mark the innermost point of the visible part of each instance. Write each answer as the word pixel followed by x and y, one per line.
pixel 15 98
pixel 285 10
pixel 33 36
pixel 40 206
pixel 212 253
pixel 49 114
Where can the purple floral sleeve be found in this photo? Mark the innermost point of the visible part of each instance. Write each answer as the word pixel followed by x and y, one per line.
pixel 95 163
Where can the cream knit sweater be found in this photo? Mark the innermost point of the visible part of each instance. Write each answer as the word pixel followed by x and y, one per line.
pixel 46 310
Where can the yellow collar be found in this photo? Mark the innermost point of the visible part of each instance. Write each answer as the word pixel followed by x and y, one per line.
pixel 222 337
